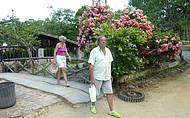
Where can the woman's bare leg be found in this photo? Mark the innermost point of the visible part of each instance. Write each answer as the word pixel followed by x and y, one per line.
pixel 58 76
pixel 110 101
pixel 64 75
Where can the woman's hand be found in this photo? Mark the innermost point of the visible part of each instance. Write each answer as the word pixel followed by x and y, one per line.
pixel 69 58
pixel 54 62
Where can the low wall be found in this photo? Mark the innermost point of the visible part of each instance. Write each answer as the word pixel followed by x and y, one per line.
pixel 148 73
pixel 186 42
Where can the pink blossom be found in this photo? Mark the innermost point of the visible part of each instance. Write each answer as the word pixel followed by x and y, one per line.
pixel 94 15
pixel 164 47
pixel 170 45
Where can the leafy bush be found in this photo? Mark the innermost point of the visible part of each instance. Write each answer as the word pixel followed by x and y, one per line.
pixel 124 44
pixel 163 46
pixel 126 32
pixel 90 22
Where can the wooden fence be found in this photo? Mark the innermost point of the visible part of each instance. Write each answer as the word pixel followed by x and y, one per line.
pixel 18 61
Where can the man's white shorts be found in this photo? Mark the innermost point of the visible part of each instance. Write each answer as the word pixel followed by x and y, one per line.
pixel 104 86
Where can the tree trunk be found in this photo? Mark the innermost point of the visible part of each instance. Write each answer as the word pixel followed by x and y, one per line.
pixel 31 61
pixel 106 3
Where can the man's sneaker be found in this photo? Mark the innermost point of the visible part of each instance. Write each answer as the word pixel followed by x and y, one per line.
pixel 114 114
pixel 93 109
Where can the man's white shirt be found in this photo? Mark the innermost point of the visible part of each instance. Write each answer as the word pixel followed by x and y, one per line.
pixel 101 63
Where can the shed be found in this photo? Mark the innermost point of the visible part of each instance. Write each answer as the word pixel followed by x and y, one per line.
pixel 50 41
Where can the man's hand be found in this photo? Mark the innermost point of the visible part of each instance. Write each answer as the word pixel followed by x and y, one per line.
pixel 92 81
pixel 91 72
pixel 112 78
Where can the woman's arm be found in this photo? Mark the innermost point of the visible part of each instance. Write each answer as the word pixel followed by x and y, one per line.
pixel 67 53
pixel 68 56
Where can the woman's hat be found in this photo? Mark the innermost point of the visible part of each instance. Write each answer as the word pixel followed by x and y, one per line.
pixel 53 68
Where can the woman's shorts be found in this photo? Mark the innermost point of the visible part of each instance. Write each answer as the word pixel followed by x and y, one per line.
pixel 61 61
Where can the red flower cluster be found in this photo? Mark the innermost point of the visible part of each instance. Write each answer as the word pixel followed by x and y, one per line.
pixel 96 15
pixel 168 47
pixel 90 20
pixel 136 19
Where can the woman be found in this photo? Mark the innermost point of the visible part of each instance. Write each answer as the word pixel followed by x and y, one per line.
pixel 60 53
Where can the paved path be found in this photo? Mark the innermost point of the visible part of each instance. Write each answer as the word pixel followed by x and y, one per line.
pixel 166 98
pixel 75 94
pixel 30 103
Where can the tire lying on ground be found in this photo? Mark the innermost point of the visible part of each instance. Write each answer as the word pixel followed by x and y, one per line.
pixel 131 96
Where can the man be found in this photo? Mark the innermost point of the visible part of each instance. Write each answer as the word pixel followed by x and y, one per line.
pixel 100 73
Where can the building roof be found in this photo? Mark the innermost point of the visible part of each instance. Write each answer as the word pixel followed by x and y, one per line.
pixel 57 37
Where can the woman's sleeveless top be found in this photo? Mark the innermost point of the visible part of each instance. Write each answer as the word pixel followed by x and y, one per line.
pixel 61 51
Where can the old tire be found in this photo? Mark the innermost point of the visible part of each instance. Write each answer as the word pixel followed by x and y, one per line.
pixel 131 96
pixel 7 94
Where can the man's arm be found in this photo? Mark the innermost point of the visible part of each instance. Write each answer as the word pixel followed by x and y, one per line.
pixel 91 72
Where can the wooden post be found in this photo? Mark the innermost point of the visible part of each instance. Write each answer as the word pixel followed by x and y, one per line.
pixel 16 66
pixel 1 69
pixel 1 58
pixel 3 66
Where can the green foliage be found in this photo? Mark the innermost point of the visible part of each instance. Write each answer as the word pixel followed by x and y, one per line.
pixel 87 50
pixel 150 7
pixel 124 44
pixel 118 14
pixel 14 32
pixel 159 34
pixel 26 35
pixel 162 47
pixel 62 22
pixel 167 14
pixel 63 15
pixel 79 14
pixel 7 28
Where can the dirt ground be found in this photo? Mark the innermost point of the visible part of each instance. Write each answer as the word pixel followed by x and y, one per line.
pixel 170 98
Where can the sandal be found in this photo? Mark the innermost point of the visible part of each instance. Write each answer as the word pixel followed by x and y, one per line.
pixel 67 85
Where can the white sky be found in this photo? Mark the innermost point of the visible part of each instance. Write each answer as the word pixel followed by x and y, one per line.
pixel 38 9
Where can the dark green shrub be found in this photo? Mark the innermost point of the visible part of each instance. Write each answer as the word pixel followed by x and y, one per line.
pixel 124 44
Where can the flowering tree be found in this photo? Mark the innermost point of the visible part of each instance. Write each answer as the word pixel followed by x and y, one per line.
pixel 96 15
pixel 90 22
pixel 136 19
pixel 130 37
pixel 124 33
pixel 164 46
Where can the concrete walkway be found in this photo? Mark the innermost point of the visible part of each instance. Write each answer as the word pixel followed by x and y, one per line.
pixel 166 98
pixel 75 94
